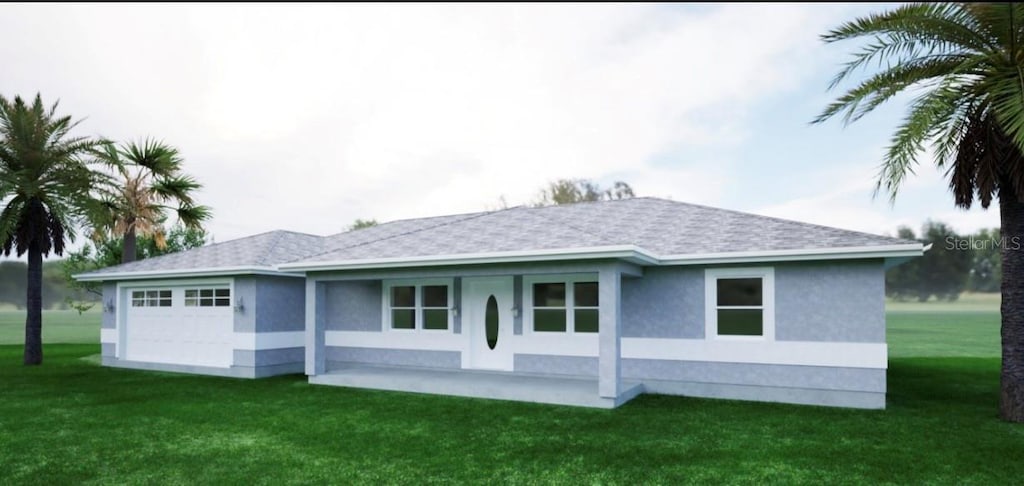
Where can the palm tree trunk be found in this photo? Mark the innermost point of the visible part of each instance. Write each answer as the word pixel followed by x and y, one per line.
pixel 34 302
pixel 1011 214
pixel 128 250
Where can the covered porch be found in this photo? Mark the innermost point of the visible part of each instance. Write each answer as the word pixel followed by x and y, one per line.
pixel 522 387
pixel 353 335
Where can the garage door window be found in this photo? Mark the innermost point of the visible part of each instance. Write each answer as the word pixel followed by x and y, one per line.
pixel 218 297
pixel 151 298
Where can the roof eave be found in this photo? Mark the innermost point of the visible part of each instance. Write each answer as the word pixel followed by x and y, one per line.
pixel 191 272
pixel 839 253
pixel 628 253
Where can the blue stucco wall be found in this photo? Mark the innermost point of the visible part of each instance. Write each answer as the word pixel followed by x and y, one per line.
pixel 109 296
pixel 339 355
pixel 667 302
pixel 352 306
pixel 822 301
pixel 280 304
pixel 830 302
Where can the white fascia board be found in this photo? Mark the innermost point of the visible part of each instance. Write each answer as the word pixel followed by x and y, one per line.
pixel 630 253
pixel 190 272
pixel 841 253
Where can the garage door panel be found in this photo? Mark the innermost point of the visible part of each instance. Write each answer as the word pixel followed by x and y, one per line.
pixel 200 336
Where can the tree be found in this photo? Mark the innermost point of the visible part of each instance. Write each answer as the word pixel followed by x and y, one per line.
pixel 945 268
pixel 963 62
pixel 903 281
pixel 45 183
pixel 362 223
pixel 108 252
pixel 986 271
pixel 569 191
pixel 942 272
pixel 150 181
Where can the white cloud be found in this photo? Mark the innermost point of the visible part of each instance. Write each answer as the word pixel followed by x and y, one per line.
pixel 309 116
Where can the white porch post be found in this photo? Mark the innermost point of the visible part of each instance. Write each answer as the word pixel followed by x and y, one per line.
pixel 610 332
pixel 315 358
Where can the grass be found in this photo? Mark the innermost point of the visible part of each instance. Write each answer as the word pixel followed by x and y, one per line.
pixel 967 327
pixel 59 326
pixel 71 421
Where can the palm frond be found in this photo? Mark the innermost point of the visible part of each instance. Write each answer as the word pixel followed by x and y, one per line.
pixel 193 216
pixel 176 187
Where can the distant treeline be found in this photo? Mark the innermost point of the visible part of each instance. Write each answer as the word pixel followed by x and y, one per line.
pixel 954 264
pixel 55 288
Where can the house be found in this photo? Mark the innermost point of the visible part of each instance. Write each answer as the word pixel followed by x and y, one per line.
pixel 586 304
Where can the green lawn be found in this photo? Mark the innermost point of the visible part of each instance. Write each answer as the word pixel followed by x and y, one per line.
pixel 59 326
pixel 71 421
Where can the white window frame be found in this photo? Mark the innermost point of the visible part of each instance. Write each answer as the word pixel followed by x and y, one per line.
pixel 570 302
pixel 767 276
pixel 199 288
pixel 418 283
pixel 145 298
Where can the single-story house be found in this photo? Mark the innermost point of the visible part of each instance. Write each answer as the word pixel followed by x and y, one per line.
pixel 585 304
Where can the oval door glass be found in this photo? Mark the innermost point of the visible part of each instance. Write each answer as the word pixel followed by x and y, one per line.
pixel 491 322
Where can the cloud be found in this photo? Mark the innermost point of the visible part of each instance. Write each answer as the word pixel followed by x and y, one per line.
pixel 307 117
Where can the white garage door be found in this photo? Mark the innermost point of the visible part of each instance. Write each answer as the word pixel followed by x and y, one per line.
pixel 180 325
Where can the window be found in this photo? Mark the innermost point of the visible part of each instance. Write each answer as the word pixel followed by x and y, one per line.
pixel 422 306
pixel 212 297
pixel 151 298
pixel 568 305
pixel 740 303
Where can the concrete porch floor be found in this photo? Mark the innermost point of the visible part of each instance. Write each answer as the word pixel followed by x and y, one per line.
pixel 558 390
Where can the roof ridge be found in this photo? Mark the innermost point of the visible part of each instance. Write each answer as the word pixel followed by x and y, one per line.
pixel 278 236
pixel 468 217
pixel 439 216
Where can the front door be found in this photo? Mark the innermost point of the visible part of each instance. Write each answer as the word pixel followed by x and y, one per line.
pixel 488 321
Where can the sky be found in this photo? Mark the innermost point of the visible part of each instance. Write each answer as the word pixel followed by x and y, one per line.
pixel 306 117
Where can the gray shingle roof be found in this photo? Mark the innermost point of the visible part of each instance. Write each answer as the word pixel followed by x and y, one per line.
pixel 262 250
pixel 657 226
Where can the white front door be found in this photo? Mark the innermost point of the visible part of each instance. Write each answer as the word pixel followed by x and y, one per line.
pixel 487 320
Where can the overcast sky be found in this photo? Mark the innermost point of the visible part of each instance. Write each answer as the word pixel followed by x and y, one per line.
pixel 306 117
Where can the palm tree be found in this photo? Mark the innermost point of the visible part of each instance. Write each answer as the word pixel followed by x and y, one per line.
pixel 45 185
pixel 964 62
pixel 150 179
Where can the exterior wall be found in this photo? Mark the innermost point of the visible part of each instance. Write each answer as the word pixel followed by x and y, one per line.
pixel 267 329
pixel 108 322
pixel 828 348
pixel 808 385
pixel 340 356
pixel 667 302
pixel 830 302
pixel 109 297
pixel 555 365
pixel 280 304
pixel 245 289
pixel 353 306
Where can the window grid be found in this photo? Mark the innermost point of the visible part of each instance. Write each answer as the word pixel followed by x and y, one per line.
pixel 421 307
pixel 208 297
pixel 151 298
pixel 579 309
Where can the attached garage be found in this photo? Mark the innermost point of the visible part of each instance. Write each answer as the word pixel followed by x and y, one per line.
pixel 181 325
pixel 221 309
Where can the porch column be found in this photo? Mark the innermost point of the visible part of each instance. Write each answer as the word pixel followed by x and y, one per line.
pixel 610 332
pixel 315 356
